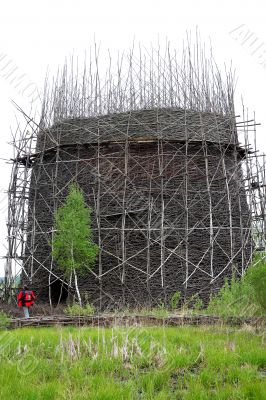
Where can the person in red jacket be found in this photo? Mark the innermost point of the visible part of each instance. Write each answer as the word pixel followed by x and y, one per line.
pixel 25 300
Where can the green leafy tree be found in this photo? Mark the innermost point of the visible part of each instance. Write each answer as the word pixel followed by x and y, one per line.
pixel 73 248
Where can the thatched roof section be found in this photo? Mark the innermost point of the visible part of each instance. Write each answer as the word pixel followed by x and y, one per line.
pixel 143 125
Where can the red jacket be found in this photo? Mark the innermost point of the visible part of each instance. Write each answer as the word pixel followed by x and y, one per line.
pixel 26 298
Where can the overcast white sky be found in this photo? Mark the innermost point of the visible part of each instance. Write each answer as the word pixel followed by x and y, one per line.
pixel 35 35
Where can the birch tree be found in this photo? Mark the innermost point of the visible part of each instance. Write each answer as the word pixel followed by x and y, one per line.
pixel 73 248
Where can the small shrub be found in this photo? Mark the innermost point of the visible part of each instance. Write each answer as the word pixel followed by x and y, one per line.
pixel 4 320
pixel 160 311
pixel 256 276
pixel 196 303
pixel 224 302
pixel 235 298
pixel 175 299
pixel 77 310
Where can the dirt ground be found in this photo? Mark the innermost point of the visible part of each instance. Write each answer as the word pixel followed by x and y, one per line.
pixel 36 309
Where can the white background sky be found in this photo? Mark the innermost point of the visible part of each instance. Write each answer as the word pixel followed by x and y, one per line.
pixel 35 35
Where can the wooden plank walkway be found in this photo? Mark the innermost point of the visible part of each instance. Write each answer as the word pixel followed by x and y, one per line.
pixel 137 320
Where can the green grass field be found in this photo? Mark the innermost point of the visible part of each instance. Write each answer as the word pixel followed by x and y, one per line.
pixel 133 363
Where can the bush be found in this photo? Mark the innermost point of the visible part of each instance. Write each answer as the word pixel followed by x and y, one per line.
pixel 245 296
pixel 234 299
pixel 77 310
pixel 256 276
pixel 175 299
pixel 4 320
pixel 160 311
pixel 195 302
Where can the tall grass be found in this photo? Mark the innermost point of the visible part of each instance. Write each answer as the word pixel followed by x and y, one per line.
pixel 257 278
pixel 242 297
pixel 132 363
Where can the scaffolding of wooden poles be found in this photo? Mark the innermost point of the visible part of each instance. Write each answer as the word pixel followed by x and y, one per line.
pixel 174 177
